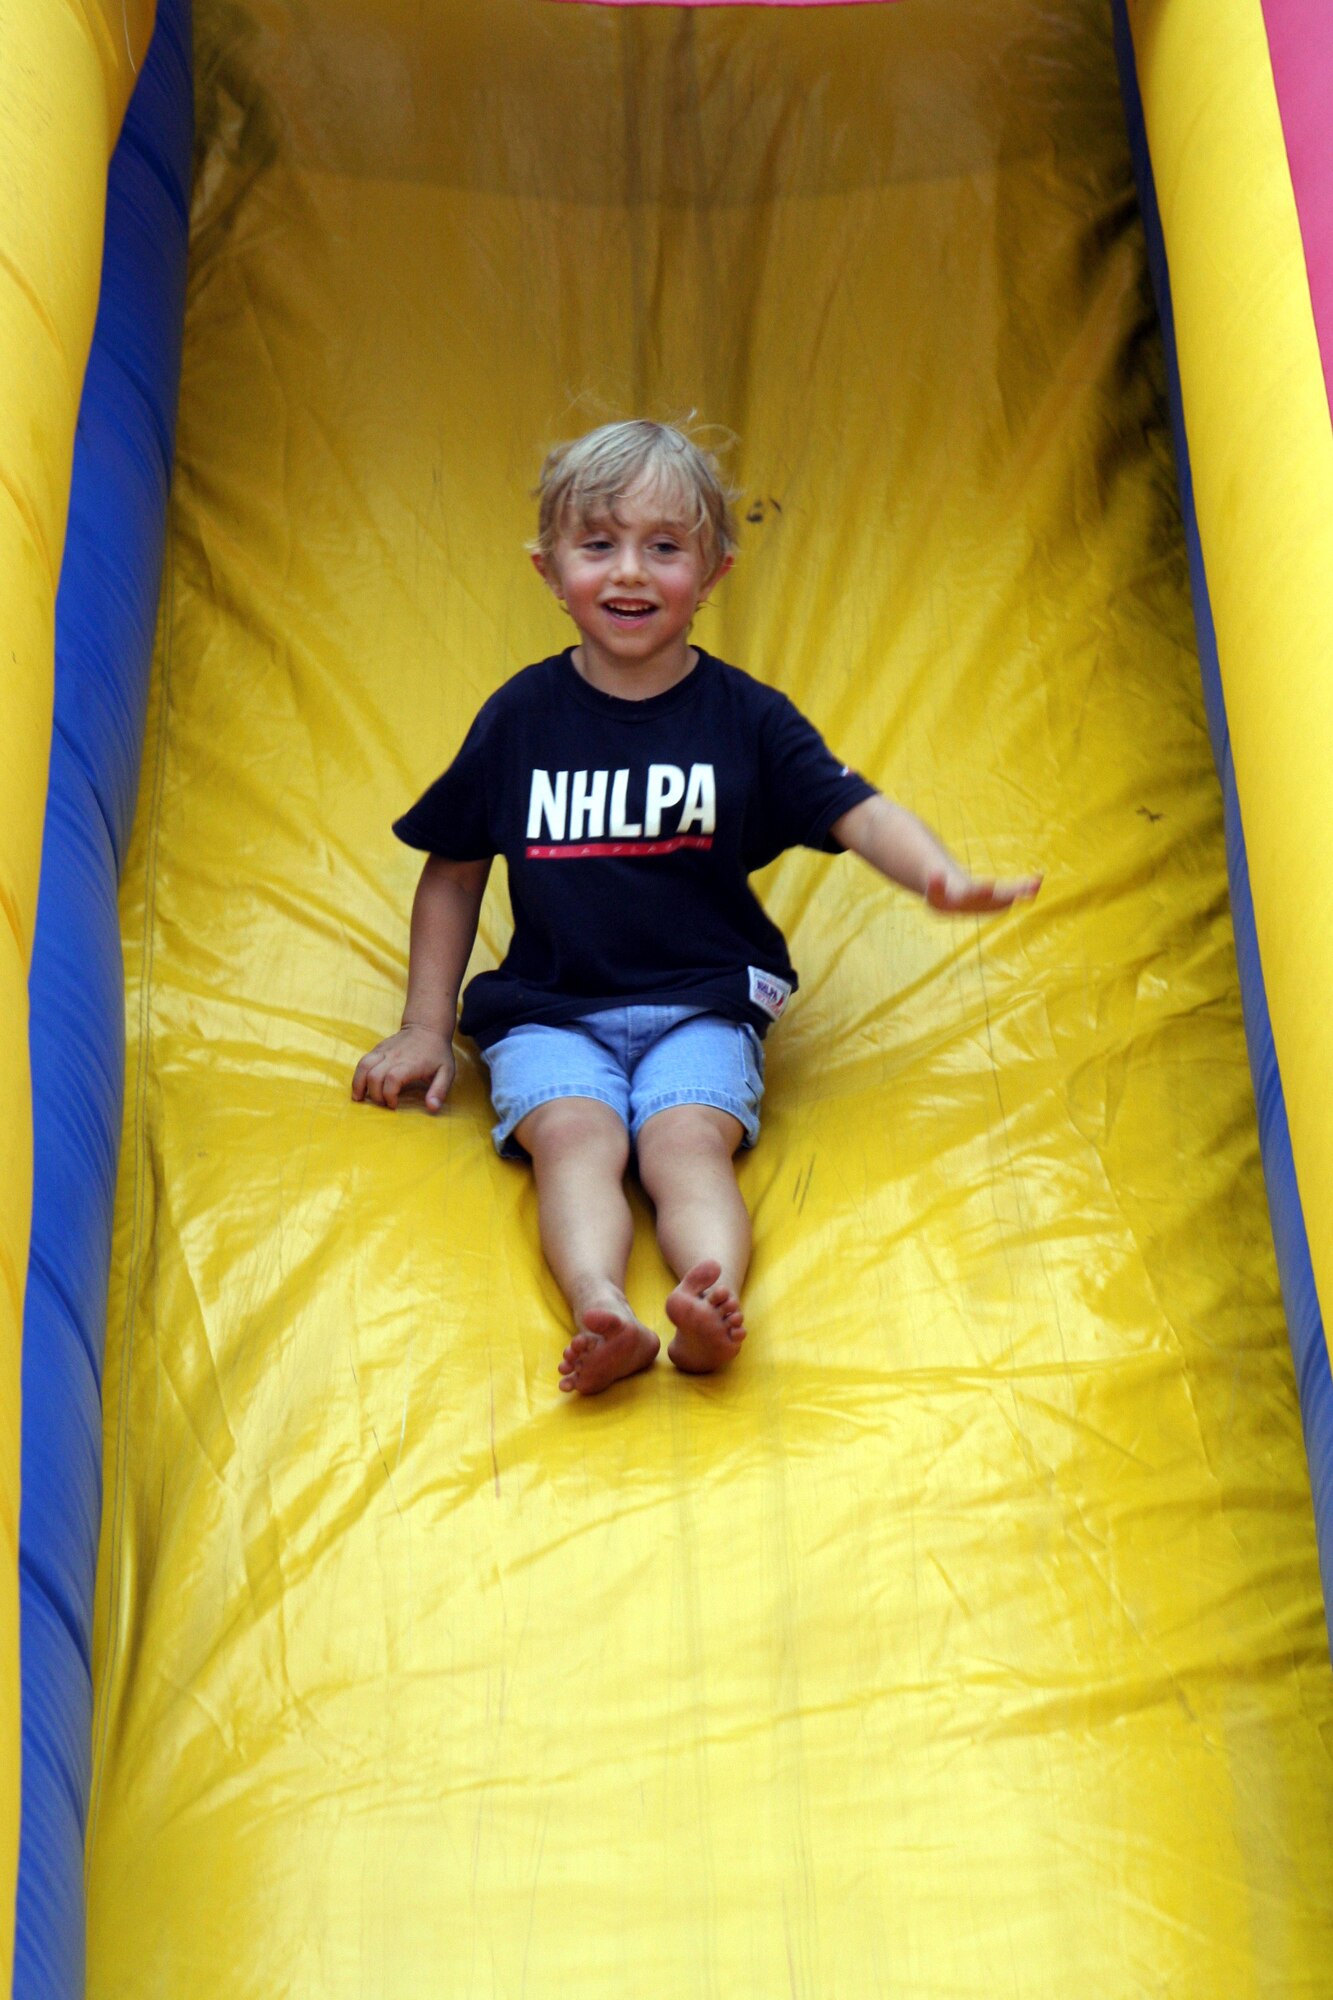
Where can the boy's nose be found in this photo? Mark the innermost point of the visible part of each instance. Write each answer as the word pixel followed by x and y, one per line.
pixel 628 566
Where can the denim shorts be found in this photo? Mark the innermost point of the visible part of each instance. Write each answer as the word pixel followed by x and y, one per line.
pixel 639 1060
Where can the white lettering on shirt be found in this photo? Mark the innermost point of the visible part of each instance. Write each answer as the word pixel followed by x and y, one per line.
pixel 578 800
pixel 621 828
pixel 546 801
pixel 700 801
pixel 666 787
pixel 587 807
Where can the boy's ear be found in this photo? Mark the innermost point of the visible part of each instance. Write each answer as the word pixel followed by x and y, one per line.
pixel 548 573
pixel 727 563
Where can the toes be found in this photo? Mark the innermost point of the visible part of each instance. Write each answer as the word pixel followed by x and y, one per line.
pixel 703 1277
pixel 577 1351
pixel 728 1309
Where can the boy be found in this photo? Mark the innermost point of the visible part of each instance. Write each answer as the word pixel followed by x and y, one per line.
pixel 633 783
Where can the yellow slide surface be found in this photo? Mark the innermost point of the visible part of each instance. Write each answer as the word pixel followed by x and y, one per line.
pixel 966 1640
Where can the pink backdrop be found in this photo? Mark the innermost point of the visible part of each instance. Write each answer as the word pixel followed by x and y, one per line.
pixel 726 3
pixel 1300 42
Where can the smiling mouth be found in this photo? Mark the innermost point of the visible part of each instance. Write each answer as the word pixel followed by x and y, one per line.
pixel 629 610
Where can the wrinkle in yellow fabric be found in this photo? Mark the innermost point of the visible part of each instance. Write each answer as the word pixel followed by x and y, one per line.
pixel 966 1639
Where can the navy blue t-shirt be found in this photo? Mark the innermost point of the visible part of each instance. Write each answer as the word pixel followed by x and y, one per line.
pixel 630 829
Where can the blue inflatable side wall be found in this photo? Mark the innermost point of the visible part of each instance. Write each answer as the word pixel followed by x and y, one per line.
pixel 105 616
pixel 1313 1373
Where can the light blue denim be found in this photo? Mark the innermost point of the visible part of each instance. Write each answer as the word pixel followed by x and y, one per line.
pixel 639 1060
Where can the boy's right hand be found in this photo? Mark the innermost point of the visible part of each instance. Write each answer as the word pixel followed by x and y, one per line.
pixel 412 1057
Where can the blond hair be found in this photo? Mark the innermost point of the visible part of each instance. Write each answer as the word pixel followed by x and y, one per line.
pixel 586 477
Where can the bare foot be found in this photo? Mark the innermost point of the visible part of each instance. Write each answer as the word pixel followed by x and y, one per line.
pixel 611 1346
pixel 708 1321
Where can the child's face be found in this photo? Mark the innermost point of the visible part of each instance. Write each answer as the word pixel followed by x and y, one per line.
pixel 631 581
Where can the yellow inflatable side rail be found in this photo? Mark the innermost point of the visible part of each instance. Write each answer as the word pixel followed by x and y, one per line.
pixel 1237 182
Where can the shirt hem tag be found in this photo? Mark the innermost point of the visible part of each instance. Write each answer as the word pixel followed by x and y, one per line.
pixel 769 993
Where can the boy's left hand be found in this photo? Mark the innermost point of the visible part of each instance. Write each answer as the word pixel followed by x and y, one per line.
pixel 959 894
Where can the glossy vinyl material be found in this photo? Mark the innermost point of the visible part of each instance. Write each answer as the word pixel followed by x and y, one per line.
pixel 1257 407
pixel 105 618
pixel 65 75
pixel 1284 265
pixel 967 1638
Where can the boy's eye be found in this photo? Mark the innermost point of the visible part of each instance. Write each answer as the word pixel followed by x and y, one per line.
pixel 666 548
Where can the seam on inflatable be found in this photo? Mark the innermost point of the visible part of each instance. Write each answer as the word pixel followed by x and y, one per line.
pixel 159 167
pixel 45 319
pixel 125 368
pixel 32 525
pixel 60 734
pixel 55 1601
pixel 119 1438
pixel 13 1285
pixel 107 55
pixel 13 921
pixel 41 1266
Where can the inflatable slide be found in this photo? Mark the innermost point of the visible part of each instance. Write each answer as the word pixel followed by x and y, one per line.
pixel 966 1641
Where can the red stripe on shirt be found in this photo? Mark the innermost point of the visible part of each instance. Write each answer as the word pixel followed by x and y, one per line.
pixel 597 850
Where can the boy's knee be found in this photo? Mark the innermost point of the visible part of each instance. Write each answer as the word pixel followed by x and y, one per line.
pixel 571 1125
pixel 683 1136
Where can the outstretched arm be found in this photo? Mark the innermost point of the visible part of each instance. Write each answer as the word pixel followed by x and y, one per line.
pixel 904 849
pixel 444 925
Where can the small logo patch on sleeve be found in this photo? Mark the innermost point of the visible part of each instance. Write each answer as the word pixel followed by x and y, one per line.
pixel 769 992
